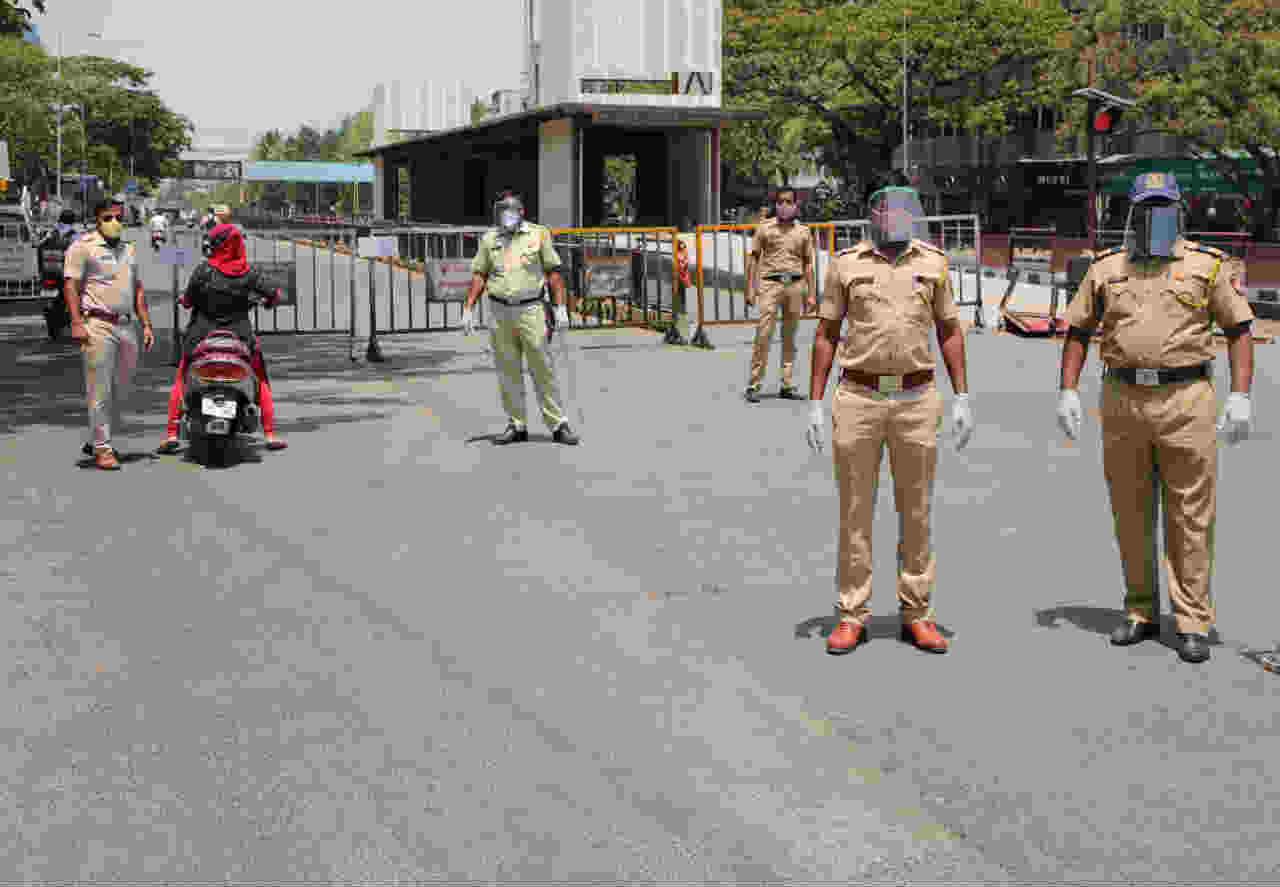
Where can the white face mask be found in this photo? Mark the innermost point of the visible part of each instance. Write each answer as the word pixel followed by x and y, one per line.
pixel 510 219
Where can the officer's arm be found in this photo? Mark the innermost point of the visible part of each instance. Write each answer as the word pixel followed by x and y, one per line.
pixel 951 343
pixel 477 287
pixel 1240 351
pixel 1075 349
pixel 830 319
pixel 556 280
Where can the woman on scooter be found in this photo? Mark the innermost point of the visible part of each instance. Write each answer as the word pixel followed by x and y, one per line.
pixel 218 296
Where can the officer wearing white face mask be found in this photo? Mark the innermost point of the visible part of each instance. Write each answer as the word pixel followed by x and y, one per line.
pixel 513 262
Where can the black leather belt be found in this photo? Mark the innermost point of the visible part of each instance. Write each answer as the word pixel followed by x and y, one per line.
pixel 511 304
pixel 1137 376
pixel 108 316
pixel 785 278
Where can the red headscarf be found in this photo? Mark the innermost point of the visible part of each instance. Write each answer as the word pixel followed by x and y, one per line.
pixel 228 252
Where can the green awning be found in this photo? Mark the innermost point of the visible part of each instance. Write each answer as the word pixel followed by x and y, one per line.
pixel 1195 176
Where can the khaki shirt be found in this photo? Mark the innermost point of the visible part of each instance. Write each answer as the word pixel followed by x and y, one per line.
pixel 104 276
pixel 516 266
pixel 1159 314
pixel 782 249
pixel 892 307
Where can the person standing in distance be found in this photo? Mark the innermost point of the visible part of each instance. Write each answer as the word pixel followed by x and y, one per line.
pixel 894 288
pixel 1154 302
pixel 779 277
pixel 101 279
pixel 513 262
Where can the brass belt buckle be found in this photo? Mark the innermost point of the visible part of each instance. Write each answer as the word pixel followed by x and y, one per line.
pixel 890 384
pixel 1148 377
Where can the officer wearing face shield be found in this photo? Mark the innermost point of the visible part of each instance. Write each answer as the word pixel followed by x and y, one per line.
pixel 513 262
pixel 893 287
pixel 1154 302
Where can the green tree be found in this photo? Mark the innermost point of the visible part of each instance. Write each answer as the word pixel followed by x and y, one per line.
pixel 479 111
pixel 1212 80
pixel 839 67
pixel 15 18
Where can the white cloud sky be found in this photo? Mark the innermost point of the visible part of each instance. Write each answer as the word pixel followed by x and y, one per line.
pixel 250 65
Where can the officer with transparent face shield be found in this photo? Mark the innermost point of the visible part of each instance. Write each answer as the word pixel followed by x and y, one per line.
pixel 1156 221
pixel 896 218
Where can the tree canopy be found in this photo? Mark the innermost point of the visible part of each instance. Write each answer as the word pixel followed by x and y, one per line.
pixel 838 67
pixel 1209 74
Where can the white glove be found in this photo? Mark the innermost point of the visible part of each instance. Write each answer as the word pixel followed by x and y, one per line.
pixel 962 420
pixel 468 322
pixel 817 421
pixel 1070 413
pixel 1237 416
pixel 562 317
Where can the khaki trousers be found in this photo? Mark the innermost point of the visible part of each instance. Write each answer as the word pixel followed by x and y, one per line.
pixel 518 332
pixel 863 423
pixel 1160 443
pixel 110 357
pixel 773 296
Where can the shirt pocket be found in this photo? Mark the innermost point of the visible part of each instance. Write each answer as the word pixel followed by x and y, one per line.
pixel 1120 298
pixel 865 296
pixel 924 289
pixel 1191 293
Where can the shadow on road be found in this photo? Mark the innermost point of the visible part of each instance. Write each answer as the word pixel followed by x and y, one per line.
pixel 876 627
pixel 1103 621
pixel 312 376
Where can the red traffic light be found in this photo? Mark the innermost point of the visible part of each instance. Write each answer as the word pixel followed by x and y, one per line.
pixel 1105 120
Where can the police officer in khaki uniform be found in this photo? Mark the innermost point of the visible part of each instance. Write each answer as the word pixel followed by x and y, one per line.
pixel 514 260
pixel 894 289
pixel 779 278
pixel 1154 302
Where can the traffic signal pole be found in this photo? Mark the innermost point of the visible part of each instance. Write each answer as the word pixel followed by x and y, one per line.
pixel 1090 147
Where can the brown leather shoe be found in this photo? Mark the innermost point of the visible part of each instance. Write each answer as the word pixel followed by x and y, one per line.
pixel 845 637
pixel 925 636
pixel 106 460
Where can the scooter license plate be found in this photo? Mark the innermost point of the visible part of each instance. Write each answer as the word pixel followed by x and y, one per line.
pixel 223 409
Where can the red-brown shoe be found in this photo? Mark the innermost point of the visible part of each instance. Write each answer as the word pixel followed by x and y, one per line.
pixel 925 636
pixel 105 459
pixel 845 637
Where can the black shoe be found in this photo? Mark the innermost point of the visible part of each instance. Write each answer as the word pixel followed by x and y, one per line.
pixel 752 395
pixel 512 435
pixel 1193 647
pixel 789 394
pixel 172 445
pixel 1134 632
pixel 564 434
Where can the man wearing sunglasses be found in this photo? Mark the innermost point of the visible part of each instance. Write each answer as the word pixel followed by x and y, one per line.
pixel 101 273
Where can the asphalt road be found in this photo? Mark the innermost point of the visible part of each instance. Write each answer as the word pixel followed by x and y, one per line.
pixel 394 651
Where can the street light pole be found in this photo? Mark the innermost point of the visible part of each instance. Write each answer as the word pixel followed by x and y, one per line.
pixel 59 78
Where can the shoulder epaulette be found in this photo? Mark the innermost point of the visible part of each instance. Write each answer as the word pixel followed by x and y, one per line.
pixel 1210 250
pixel 1108 252
pixel 848 250
pixel 924 244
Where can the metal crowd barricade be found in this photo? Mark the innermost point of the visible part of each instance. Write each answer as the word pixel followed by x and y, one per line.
pixel 620 277
pixel 721 252
pixel 22 281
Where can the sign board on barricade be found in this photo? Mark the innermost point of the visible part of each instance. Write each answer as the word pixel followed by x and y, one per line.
pixel 607 277
pixel 281 275
pixel 377 247
pixel 177 255
pixel 450 278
